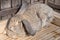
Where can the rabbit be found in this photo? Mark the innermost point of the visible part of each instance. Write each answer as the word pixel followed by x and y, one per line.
pixel 30 20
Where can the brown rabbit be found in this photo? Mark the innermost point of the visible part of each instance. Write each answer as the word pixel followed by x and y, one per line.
pixel 32 19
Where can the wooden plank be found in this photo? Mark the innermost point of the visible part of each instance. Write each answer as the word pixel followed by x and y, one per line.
pixel 5 4
pixel 58 30
pixel 3 37
pixel 56 19
pixel 52 38
pixel 48 36
pixel 0 5
pixel 16 3
pixel 3 25
pixel 7 12
pixel 46 1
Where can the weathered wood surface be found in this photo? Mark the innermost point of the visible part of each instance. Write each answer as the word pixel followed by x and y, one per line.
pixel 8 11
pixel 9 3
pixel 5 4
pixel 56 19
pixel 3 24
pixel 54 3
pixel 5 14
pixel 8 7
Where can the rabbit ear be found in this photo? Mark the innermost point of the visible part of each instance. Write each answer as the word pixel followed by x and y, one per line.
pixel 28 28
